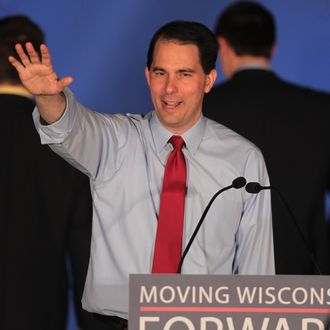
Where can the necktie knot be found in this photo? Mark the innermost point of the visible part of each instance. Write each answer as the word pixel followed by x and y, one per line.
pixel 177 142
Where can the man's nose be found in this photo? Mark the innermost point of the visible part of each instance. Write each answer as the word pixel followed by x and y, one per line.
pixel 171 85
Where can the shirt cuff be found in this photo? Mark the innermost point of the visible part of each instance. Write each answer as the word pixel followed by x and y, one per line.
pixel 59 130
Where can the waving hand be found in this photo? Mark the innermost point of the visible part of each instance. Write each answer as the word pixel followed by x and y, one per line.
pixel 39 78
pixel 37 75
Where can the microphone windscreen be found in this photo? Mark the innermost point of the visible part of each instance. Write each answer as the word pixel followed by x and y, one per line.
pixel 253 187
pixel 239 182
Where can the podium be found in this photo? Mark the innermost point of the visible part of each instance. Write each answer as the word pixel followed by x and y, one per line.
pixel 229 302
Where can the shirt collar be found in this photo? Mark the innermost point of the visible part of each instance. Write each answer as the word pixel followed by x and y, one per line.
pixel 161 135
pixel 15 90
pixel 254 65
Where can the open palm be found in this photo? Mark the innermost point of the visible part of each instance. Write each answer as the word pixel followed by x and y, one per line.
pixel 37 75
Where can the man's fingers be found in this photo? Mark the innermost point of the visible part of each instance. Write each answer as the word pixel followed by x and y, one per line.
pixel 45 55
pixel 45 80
pixel 34 57
pixel 65 81
pixel 18 65
pixel 22 55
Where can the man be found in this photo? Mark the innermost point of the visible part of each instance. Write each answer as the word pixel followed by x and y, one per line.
pixel 125 157
pixel 45 208
pixel 290 125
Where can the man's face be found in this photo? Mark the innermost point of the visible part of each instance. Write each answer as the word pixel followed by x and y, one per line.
pixel 177 85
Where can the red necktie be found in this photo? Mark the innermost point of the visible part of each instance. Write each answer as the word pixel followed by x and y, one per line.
pixel 168 246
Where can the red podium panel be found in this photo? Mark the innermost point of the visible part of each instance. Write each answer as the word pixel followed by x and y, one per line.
pixel 229 302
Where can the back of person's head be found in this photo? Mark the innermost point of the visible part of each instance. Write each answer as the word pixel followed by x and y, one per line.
pixel 248 27
pixel 13 30
pixel 184 32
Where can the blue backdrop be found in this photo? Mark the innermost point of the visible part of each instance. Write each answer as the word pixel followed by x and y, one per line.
pixel 103 43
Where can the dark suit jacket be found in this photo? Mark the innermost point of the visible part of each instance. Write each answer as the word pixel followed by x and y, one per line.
pixel 290 125
pixel 45 214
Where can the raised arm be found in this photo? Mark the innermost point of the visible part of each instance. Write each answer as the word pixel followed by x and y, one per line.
pixel 39 78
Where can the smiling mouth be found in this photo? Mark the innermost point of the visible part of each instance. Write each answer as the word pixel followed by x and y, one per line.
pixel 171 104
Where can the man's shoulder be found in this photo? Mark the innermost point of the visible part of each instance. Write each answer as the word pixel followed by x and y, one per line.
pixel 250 88
pixel 307 101
pixel 219 87
pixel 222 135
pixel 135 121
pixel 136 117
pixel 10 102
pixel 303 89
pixel 229 149
pixel 121 120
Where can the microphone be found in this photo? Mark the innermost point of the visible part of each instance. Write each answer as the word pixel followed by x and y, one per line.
pixel 256 187
pixel 237 183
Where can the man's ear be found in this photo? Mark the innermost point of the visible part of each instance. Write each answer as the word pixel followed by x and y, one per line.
pixel 272 51
pixel 147 73
pixel 228 58
pixel 223 45
pixel 210 80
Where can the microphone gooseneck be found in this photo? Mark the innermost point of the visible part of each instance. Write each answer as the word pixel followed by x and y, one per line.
pixel 237 183
pixel 256 187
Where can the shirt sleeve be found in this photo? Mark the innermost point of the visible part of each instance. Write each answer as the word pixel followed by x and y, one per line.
pixel 255 250
pixel 86 139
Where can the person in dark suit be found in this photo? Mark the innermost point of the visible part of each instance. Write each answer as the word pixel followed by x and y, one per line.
pixel 45 209
pixel 289 123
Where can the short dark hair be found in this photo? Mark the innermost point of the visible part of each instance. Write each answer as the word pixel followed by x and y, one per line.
pixel 184 32
pixel 16 29
pixel 248 27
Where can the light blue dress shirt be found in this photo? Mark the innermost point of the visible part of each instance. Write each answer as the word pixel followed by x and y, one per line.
pixel 125 156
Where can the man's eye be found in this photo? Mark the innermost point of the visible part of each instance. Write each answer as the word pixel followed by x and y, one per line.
pixel 186 74
pixel 159 73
